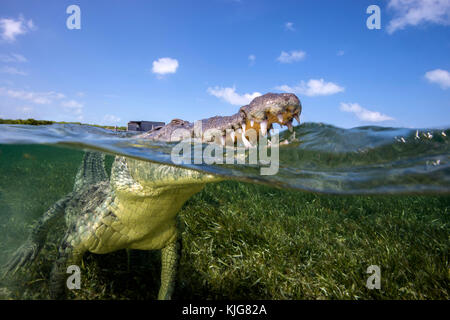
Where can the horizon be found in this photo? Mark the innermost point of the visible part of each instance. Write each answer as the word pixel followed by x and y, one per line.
pixel 155 61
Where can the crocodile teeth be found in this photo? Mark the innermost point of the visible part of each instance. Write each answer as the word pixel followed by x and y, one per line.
pixel 232 136
pixel 289 125
pixel 222 140
pixel 263 125
pixel 280 118
pixel 247 143
pixel 297 118
pixel 251 123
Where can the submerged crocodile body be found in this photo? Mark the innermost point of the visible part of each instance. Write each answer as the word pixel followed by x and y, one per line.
pixel 136 207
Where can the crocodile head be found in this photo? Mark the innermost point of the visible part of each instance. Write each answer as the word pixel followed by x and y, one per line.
pixel 259 115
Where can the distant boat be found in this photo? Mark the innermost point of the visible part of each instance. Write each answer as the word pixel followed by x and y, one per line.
pixel 144 125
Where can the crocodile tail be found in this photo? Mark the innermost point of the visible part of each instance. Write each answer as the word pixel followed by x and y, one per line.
pixel 91 171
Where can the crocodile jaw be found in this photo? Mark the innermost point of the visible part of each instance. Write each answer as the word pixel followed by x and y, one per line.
pixel 259 115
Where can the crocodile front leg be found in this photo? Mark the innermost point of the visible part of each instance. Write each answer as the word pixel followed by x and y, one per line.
pixel 170 256
pixel 28 252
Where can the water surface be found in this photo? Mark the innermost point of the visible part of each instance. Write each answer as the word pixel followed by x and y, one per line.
pixel 321 158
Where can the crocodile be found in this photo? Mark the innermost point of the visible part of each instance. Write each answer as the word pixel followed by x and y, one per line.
pixel 136 207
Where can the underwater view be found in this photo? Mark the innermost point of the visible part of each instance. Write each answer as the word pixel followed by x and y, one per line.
pixel 343 200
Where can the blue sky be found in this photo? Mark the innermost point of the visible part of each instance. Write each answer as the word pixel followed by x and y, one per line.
pixel 159 60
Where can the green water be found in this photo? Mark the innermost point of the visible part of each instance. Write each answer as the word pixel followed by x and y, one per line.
pixel 396 211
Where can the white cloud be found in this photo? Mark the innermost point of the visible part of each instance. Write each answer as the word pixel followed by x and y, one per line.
pixel 109 118
pixel 13 57
pixel 49 100
pixel 30 24
pixel 73 106
pixel 289 26
pixel 11 28
pixel 439 76
pixel 364 114
pixel 230 95
pixel 415 12
pixel 13 71
pixel 24 109
pixel 164 66
pixel 340 53
pixel 314 87
pixel 35 97
pixel 252 59
pixel 292 56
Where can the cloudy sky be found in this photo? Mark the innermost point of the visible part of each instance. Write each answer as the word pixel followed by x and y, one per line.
pixel 159 60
